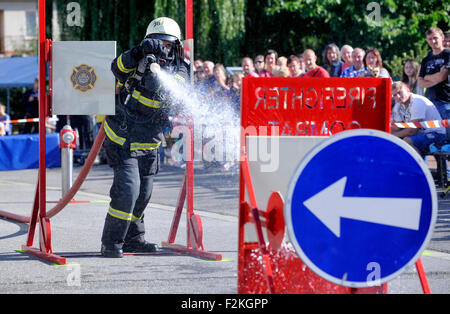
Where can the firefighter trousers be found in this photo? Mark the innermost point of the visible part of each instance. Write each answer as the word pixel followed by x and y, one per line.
pixel 130 194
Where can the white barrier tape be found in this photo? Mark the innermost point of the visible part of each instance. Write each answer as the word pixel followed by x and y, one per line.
pixel 422 124
pixel 30 120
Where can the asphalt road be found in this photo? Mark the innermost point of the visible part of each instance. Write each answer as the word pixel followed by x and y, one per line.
pixel 76 233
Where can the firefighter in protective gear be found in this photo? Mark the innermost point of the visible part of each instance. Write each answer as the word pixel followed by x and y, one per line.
pixel 134 133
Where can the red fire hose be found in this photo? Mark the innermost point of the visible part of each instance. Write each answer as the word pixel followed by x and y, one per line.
pixel 75 187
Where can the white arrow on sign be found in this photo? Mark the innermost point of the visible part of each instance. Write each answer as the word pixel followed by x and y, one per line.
pixel 330 205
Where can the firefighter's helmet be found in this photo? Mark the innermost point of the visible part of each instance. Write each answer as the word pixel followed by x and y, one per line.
pixel 164 28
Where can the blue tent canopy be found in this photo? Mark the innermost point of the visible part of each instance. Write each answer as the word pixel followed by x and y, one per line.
pixel 18 71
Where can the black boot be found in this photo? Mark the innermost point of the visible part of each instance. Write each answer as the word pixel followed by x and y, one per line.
pixel 140 247
pixel 111 252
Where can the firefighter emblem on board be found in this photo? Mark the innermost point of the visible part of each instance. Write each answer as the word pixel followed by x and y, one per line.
pixel 83 77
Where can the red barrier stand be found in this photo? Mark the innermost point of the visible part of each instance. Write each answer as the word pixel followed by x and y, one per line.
pixel 39 213
pixel 194 228
pixel 297 107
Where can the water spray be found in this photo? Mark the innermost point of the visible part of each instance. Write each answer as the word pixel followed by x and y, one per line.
pixel 216 121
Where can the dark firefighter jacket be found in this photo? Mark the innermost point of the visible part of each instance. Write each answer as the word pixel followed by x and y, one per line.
pixel 137 127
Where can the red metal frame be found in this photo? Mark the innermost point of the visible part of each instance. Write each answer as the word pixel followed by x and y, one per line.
pixel 422 277
pixel 290 269
pixel 194 229
pixel 257 221
pixel 38 213
pixel 292 275
pixel 189 20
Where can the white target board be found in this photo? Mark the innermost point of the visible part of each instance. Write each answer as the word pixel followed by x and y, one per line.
pixel 83 83
pixel 272 162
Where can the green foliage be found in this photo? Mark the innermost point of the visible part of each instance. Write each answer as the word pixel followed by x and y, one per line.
pixel 400 25
pixel 124 21
pixel 227 30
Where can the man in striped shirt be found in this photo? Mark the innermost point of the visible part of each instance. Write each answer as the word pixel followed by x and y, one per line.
pixel 411 107
pixel 357 69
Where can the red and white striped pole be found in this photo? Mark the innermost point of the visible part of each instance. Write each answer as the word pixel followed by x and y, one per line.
pixel 42 110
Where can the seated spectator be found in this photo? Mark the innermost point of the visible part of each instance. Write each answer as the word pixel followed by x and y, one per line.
pixel 302 63
pixel 282 61
pixel 220 87
pixel 30 103
pixel 235 91
pixel 198 71
pixel 207 84
pixel 374 64
pixel 247 67
pixel 5 120
pixel 293 64
pixel 2 129
pixel 332 60
pixel 270 59
pixel 259 64
pixel 314 70
pixel 198 64
pixel 357 69
pixel 282 69
pixel 346 54
pixel 410 107
pixel 410 76
pixel 199 76
pixel 447 39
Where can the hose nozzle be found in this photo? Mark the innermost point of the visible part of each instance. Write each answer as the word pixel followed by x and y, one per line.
pixel 155 68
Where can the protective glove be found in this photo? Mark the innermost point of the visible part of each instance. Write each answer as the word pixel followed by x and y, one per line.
pixel 152 46
pixel 151 83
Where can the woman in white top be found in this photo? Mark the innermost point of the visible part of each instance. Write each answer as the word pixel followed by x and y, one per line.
pixel 410 76
pixel 374 64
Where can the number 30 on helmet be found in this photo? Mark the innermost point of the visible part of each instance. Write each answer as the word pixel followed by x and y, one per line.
pixel 164 28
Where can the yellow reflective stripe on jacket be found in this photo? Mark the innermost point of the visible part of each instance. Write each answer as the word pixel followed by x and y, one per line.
pixel 146 101
pixel 121 67
pixel 144 146
pixel 119 214
pixel 177 76
pixel 113 136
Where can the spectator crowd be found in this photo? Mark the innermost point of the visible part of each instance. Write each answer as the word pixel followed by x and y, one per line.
pixel 422 93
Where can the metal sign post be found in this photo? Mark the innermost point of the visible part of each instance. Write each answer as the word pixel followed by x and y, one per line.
pixel 283 110
pixel 361 207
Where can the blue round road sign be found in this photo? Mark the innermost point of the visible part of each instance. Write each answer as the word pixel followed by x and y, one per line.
pixel 361 207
